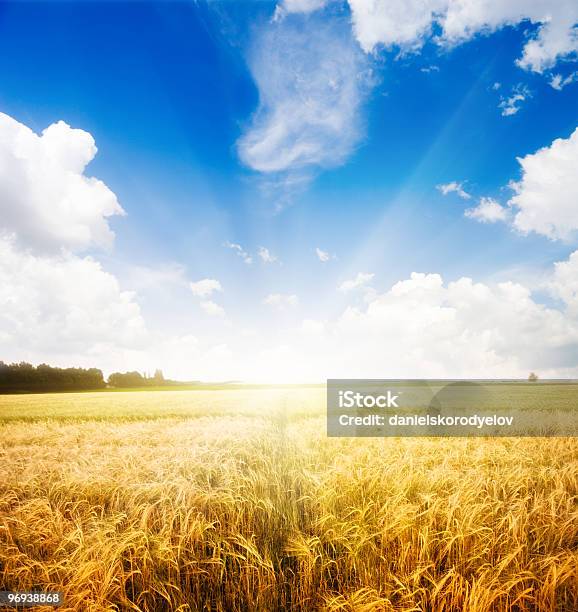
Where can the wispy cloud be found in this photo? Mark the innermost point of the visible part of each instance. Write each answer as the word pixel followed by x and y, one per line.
pixel 511 105
pixel 286 7
pixel 559 82
pixel 266 255
pixel 237 248
pixel 324 256
pixel 454 187
pixel 361 280
pixel 312 79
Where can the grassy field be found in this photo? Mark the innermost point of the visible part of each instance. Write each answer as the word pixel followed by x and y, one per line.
pixel 235 499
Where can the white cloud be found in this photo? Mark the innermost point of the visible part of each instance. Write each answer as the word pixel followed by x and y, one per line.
pixel 323 256
pixel 311 79
pixel 408 24
pixel 402 24
pixel 423 327
pixel 240 252
pixel 46 200
pixel 63 305
pixel 546 196
pixel 266 255
pixel 281 300
pixel 54 304
pixel 205 287
pixel 212 309
pixel 487 211
pixel 454 187
pixel 558 82
pixel 511 105
pixel 556 38
pixel 361 280
pixel 298 6
pixel 564 282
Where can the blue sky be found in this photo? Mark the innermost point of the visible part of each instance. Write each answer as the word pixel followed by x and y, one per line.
pixel 186 101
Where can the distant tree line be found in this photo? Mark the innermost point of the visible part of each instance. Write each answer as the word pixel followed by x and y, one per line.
pixel 136 379
pixel 26 378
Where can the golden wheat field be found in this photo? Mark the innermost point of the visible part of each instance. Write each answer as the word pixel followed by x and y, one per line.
pixel 236 500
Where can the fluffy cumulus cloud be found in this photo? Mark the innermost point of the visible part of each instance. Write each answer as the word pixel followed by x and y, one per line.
pixel 399 23
pixel 46 199
pixel 311 79
pixel 425 327
pixel 408 24
pixel 564 282
pixel 546 196
pixel 487 211
pixel 63 305
pixel 56 305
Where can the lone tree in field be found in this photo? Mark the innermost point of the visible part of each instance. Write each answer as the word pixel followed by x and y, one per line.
pixel 533 377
